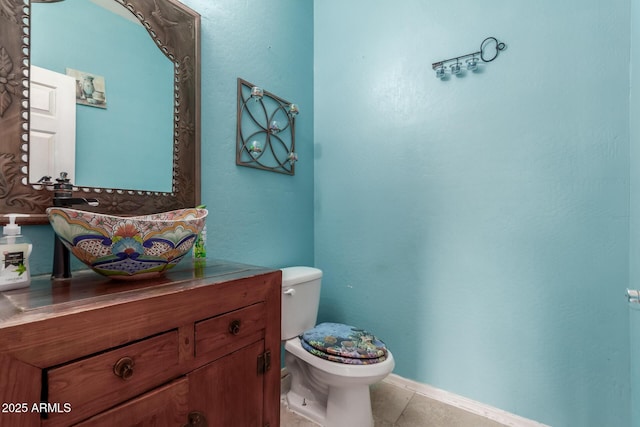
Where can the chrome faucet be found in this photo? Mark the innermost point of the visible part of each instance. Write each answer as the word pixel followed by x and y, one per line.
pixel 63 197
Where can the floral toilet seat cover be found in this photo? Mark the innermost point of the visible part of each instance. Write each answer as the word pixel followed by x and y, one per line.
pixel 344 344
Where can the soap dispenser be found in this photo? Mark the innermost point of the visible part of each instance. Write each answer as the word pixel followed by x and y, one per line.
pixel 14 257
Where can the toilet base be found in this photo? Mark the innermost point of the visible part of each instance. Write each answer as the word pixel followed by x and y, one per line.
pixel 313 410
pixel 329 393
pixel 345 407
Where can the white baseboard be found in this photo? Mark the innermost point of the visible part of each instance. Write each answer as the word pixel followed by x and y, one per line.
pixel 463 403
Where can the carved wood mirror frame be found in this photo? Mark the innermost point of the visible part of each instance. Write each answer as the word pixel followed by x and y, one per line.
pixel 175 29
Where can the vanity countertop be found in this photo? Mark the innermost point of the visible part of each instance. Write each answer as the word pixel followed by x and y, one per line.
pixel 87 290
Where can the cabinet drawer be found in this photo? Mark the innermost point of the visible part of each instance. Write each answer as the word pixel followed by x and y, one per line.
pixel 98 382
pixel 229 332
pixel 165 406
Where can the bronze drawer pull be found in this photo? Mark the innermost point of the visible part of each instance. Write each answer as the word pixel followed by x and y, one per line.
pixel 124 368
pixel 234 327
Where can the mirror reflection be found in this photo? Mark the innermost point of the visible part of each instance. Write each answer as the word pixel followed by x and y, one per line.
pixel 124 127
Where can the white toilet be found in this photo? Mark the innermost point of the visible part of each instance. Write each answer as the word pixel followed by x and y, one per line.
pixel 331 366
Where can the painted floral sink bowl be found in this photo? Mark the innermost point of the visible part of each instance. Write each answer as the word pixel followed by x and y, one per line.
pixel 128 247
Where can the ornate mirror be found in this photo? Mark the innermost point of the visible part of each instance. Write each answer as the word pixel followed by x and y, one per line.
pixel 175 31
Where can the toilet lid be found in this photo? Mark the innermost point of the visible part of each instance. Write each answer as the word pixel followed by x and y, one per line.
pixel 344 344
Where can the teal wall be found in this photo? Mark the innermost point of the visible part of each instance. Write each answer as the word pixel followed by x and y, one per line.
pixel 256 216
pixel 480 225
pixel 634 248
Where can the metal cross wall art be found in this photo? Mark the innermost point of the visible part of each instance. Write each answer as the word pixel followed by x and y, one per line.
pixel 265 131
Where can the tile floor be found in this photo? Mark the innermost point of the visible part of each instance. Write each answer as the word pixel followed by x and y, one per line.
pixel 397 407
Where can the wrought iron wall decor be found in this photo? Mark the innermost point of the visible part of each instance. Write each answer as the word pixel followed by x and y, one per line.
pixel 489 49
pixel 266 137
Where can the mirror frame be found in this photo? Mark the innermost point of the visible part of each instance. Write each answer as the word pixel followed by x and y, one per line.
pixel 175 28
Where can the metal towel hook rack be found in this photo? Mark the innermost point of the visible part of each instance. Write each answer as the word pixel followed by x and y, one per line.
pixel 489 50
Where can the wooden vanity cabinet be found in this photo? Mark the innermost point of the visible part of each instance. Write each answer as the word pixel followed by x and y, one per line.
pixel 197 346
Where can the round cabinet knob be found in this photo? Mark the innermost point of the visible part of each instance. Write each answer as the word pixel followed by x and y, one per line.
pixel 124 368
pixel 234 327
pixel 196 419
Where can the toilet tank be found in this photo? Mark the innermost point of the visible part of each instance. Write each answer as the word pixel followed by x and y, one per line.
pixel 300 300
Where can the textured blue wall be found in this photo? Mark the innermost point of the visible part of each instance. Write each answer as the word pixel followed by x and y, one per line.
pixel 634 247
pixel 255 216
pixel 480 225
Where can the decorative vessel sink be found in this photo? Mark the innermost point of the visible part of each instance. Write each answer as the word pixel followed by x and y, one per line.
pixel 135 247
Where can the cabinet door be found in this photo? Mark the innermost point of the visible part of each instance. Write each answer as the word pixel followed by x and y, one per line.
pixel 165 406
pixel 229 391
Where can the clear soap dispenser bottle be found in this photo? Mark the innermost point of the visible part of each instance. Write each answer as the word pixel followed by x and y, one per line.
pixel 14 257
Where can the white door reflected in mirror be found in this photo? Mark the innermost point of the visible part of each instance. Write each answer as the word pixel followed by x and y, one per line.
pixel 52 136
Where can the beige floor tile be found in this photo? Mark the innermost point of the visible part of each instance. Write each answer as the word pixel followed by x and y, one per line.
pixel 291 419
pixel 382 423
pixel 388 402
pixel 422 411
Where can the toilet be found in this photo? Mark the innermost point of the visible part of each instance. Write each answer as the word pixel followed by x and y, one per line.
pixel 331 365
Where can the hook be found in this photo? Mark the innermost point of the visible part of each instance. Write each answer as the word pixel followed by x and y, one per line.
pixel 472 62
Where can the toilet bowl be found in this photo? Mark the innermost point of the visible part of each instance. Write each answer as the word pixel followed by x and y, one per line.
pixel 331 393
